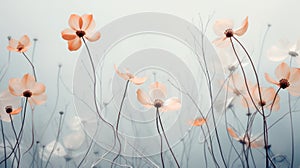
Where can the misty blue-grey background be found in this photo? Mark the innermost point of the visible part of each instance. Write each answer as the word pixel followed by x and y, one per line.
pixel 45 20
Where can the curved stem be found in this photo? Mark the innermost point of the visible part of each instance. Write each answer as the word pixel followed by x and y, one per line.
pixel 2 130
pixel 32 66
pixel 161 147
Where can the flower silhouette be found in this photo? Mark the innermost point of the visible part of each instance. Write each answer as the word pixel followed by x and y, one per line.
pixel 29 88
pixel 19 46
pixel 255 142
pixel 130 77
pixel 80 27
pixel 156 98
pixel 224 29
pixel 288 78
pixel 283 50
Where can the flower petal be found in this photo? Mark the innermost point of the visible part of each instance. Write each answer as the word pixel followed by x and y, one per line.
pixel 242 30
pixel 232 133
pixel 294 76
pixel 28 82
pixel 197 122
pixel 88 22
pixel 157 90
pixel 221 25
pixel 74 22
pixel 171 104
pixel 277 54
pixel 68 34
pixel 75 44
pixel 138 81
pixel 94 37
pixel 12 45
pixel 143 98
pixel 122 75
pixel 15 87
pixel 38 89
pixel 37 100
pixel 25 41
pixel 221 42
pixel 282 71
pixel 270 80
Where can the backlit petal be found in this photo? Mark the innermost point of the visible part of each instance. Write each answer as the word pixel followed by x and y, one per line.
pixel 294 75
pixel 143 98
pixel 15 87
pixel 282 71
pixel 197 122
pixel 75 44
pixel 271 80
pixel 221 42
pixel 88 22
pixel 242 30
pixel 12 45
pixel 68 34
pixel 38 89
pixel 171 104
pixel 158 90
pixel 232 133
pixel 28 82
pixel 122 75
pixel 138 81
pixel 221 25
pixel 25 41
pixel 38 100
pixel 74 22
pixel 94 37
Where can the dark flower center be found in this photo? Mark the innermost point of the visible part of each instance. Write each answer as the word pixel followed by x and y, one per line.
pixel 20 47
pixel 8 109
pixel 27 93
pixel 284 83
pixel 293 53
pixel 158 103
pixel 228 33
pixel 262 103
pixel 80 33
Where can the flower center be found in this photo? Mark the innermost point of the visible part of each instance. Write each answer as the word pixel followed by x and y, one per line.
pixel 20 47
pixel 8 109
pixel 228 33
pixel 284 83
pixel 158 103
pixel 80 33
pixel 232 68
pixel 27 93
pixel 262 103
pixel 293 53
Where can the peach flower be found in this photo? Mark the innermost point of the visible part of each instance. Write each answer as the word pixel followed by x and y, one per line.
pixel 19 46
pixel 130 77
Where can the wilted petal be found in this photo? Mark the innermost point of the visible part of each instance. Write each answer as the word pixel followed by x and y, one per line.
pixel 138 81
pixel 74 22
pixel 282 71
pixel 75 44
pixel 68 34
pixel 242 30
pixel 143 98
pixel 94 37
pixel 222 25
pixel 171 104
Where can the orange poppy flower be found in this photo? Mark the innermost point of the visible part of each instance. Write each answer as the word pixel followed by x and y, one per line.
pixel 9 104
pixel 81 27
pixel 130 77
pixel 29 88
pixel 197 122
pixel 255 142
pixel 19 46
pixel 155 98
pixel 224 29
pixel 289 78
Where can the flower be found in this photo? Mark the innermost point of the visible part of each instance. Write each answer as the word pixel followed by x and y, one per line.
pixel 197 122
pixel 288 78
pixel 81 27
pixel 224 29
pixel 267 98
pixel 29 88
pixel 283 50
pixel 19 46
pixel 9 104
pixel 130 77
pixel 156 97
pixel 255 142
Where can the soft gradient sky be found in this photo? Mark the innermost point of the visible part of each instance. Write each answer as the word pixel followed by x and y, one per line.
pixel 45 19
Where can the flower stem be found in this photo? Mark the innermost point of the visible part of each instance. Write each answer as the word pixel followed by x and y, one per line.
pixel 32 66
